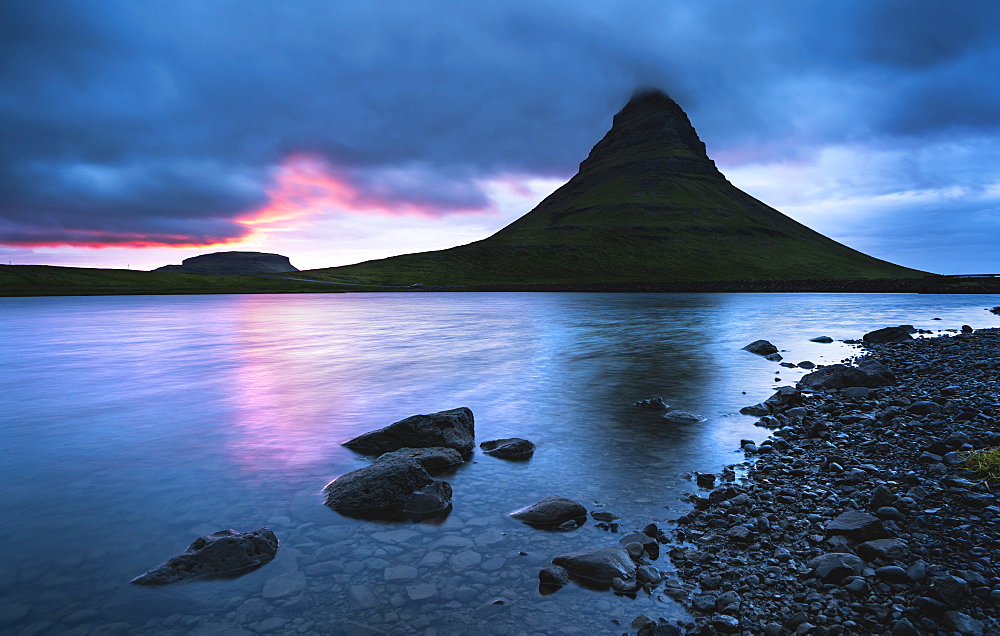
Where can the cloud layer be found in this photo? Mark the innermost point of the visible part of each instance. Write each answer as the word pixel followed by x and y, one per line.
pixel 170 123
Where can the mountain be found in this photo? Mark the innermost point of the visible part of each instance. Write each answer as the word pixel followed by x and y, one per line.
pixel 648 204
pixel 232 263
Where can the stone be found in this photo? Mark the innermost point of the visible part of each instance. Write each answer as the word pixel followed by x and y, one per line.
pixel 726 624
pixel 434 459
pixel 399 573
pixel 551 511
pixel 965 624
pixel 833 567
pixel 857 526
pixel 923 408
pixel 807 364
pixel 822 339
pixel 904 627
pixel 379 490
pixel 892 574
pixel 884 549
pixel 553 575
pixel 653 404
pixel 648 574
pixel 888 335
pixel 683 417
pixel 283 585
pixel 431 500
pixel 761 348
pixel 600 565
pixel 452 429
pixel 950 590
pixel 226 553
pixel 421 591
pixel 840 376
pixel 785 397
pixel 509 448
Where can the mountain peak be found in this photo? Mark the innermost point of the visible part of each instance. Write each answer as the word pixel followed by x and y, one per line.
pixel 652 124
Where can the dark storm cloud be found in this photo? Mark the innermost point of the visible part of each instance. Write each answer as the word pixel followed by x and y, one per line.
pixel 169 118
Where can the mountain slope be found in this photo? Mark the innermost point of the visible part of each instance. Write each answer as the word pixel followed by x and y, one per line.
pixel 647 205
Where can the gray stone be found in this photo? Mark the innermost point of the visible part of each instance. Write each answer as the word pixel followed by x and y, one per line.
pixel 360 597
pixel 839 376
pixel 684 417
pixel 833 567
pixel 857 526
pixel 653 404
pixel 283 585
pixel 924 407
pixel 434 459
pixel 378 490
pixel 432 499
pixel 508 448
pixel 648 574
pixel 950 590
pixel 761 348
pixel 221 554
pixel 400 573
pixel 888 335
pixel 892 574
pixel 551 511
pixel 884 549
pixel 601 565
pixel 452 429
pixel 965 624
pixel 421 591
pixel 822 339
pixel 553 575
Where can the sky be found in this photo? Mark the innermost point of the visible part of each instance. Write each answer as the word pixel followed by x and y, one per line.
pixel 137 134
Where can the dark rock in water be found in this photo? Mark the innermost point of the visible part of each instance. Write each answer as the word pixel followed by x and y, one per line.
pixel 822 339
pixel 836 566
pixel 774 357
pixel 761 348
pixel 509 448
pixel 807 364
pixel 857 526
pixel 967 329
pixel 553 575
pixel 600 565
pixel 705 480
pixel 452 429
pixel 653 404
pixel 889 335
pixel 232 263
pixel 434 459
pixel 221 554
pixel 551 511
pixel 756 409
pixel 838 376
pixel 377 491
pixel 683 417
pixel 431 500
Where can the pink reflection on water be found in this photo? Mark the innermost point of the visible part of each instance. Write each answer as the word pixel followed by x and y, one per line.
pixel 290 398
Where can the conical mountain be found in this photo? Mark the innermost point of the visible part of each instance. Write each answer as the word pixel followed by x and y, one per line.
pixel 647 205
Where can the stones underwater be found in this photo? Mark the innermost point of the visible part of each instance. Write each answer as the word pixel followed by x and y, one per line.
pixel 222 554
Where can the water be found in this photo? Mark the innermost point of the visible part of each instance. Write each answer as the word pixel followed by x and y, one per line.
pixel 132 425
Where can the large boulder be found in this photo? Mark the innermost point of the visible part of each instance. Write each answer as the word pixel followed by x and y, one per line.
pixel 833 567
pixel 434 460
pixel 785 397
pixel 857 525
pixel 509 448
pixel 600 565
pixel 888 335
pixel 451 429
pixel 226 553
pixel 868 373
pixel 385 489
pixel 551 511
pixel 761 348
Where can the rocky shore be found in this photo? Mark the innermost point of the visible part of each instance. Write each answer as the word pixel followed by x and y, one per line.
pixel 858 514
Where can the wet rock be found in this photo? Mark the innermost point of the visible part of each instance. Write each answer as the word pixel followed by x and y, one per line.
pixel 822 339
pixel 600 565
pixel 784 398
pixel 434 459
pixel 857 526
pixel 508 448
pixel 431 500
pixel 553 575
pixel 653 404
pixel 761 348
pixel 839 376
pixel 683 417
pixel 221 554
pixel 452 429
pixel 888 335
pixel 379 490
pixel 835 566
pixel 807 364
pixel 705 480
pixel 892 574
pixel 551 511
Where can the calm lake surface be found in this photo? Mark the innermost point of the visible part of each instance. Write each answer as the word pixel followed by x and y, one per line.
pixel 131 425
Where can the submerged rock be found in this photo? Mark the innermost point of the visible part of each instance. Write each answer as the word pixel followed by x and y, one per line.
pixel 551 511
pixel 601 565
pixel 509 448
pixel 653 404
pixel 761 348
pixel 431 500
pixel 452 429
pixel 225 553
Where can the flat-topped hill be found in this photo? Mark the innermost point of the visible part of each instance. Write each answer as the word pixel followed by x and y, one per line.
pixel 232 263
